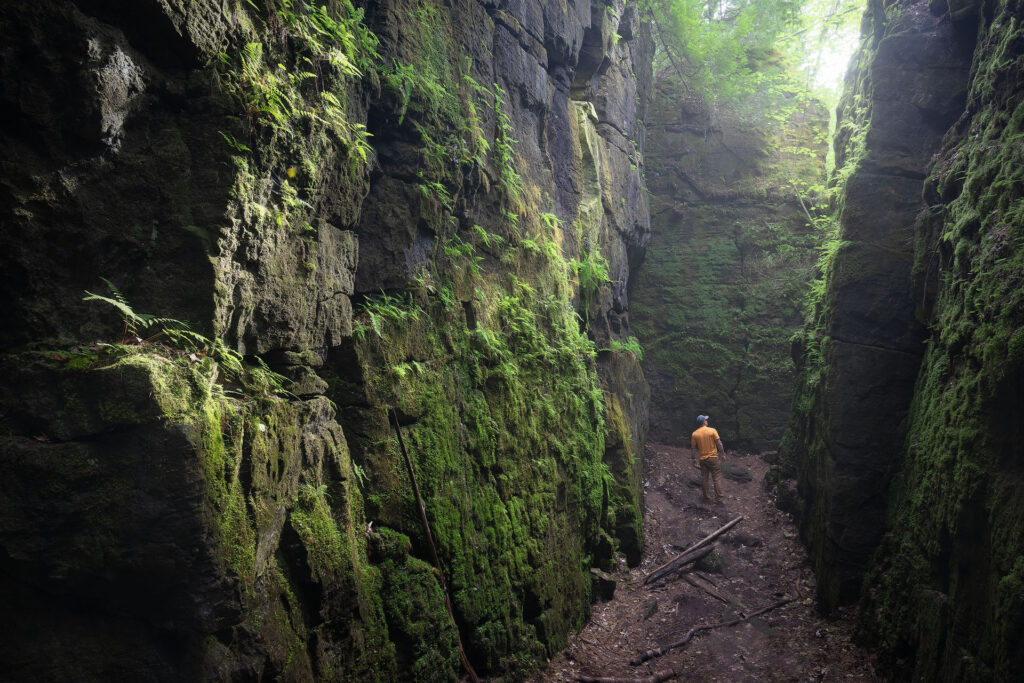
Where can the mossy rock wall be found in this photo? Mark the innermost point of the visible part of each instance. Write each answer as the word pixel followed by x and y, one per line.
pixel 723 286
pixel 430 207
pixel 906 440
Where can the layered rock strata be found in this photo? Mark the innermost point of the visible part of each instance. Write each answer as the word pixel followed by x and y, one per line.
pixel 409 206
pixel 905 443
pixel 723 285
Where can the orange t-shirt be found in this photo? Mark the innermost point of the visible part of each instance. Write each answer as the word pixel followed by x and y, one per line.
pixel 704 439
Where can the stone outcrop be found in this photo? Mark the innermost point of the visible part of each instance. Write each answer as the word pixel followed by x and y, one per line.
pixel 904 441
pixel 413 206
pixel 723 285
pixel 850 419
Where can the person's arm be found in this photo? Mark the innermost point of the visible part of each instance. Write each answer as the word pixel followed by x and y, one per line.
pixel 721 448
pixel 696 457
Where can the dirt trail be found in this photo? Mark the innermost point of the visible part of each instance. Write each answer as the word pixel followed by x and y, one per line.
pixel 762 562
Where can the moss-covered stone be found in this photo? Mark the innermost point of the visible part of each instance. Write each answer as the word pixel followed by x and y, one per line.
pixel 722 288
pixel 251 170
pixel 936 566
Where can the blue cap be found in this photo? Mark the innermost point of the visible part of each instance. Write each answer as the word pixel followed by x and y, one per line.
pixel 701 418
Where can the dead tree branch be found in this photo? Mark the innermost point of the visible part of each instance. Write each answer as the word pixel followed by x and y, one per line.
pixel 804 207
pixel 677 564
pixel 659 651
pixel 713 592
pixel 679 561
pixel 656 678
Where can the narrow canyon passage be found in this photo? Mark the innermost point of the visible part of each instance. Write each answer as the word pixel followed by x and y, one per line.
pixel 248 245
pixel 757 563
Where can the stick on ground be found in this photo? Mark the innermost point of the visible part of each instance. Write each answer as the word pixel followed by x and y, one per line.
pixel 659 651
pixel 677 564
pixel 679 561
pixel 707 589
pixel 656 678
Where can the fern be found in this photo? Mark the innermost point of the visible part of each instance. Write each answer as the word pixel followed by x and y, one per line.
pixel 509 179
pixel 550 221
pixel 258 380
pixel 592 272
pixel 134 323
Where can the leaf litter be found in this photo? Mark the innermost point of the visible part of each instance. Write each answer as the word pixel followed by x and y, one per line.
pixel 757 563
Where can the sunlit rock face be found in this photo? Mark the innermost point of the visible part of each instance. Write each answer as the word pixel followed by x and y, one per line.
pixel 432 207
pixel 905 441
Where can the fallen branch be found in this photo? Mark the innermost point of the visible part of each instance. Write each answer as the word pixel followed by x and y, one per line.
pixel 656 678
pixel 707 589
pixel 659 651
pixel 433 550
pixel 677 564
pixel 804 207
pixel 702 582
pixel 678 561
pixel 705 577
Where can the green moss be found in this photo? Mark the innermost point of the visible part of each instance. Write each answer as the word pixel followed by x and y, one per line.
pixel 220 457
pixel 251 457
pixel 414 605
pixel 507 435
pixel 311 517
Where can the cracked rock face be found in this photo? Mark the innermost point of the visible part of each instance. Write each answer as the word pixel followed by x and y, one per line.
pixel 714 304
pixel 154 528
pixel 906 90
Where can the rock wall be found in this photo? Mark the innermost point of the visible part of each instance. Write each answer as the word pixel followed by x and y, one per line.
pixel 904 442
pixel 723 285
pixel 860 358
pixel 432 208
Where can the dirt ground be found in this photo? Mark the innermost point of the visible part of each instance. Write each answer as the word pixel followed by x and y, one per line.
pixel 762 563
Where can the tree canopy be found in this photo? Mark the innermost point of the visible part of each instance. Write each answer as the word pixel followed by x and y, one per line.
pixel 724 50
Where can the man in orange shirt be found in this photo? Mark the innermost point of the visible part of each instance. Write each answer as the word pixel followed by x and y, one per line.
pixel 707 446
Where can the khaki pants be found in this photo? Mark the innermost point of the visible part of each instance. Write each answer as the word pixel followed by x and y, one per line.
pixel 709 471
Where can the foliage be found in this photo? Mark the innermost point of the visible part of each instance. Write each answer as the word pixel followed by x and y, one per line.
pixel 297 79
pixel 752 55
pixel 509 178
pixel 256 380
pixel 631 345
pixel 134 323
pixel 592 273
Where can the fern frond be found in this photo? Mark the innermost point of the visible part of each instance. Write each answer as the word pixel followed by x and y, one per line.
pixel 115 291
pixel 124 308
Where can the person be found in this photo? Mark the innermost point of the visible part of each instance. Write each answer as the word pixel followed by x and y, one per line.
pixel 707 446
